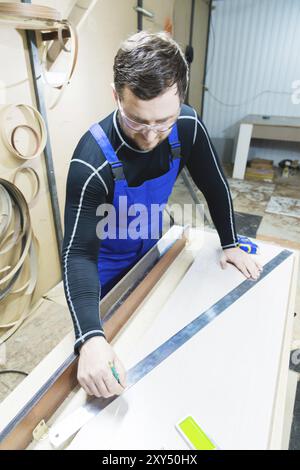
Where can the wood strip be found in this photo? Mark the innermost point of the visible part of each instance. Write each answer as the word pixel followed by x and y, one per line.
pixel 27 10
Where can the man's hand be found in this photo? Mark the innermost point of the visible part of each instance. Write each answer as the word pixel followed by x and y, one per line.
pixel 246 263
pixel 94 373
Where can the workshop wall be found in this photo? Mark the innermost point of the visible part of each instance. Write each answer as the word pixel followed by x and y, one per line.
pixel 253 68
pixel 178 12
pixel 16 88
pixel 182 17
pixel 87 99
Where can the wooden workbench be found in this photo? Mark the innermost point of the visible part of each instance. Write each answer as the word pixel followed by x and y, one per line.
pixel 283 128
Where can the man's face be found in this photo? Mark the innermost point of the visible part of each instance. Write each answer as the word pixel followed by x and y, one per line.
pixel 163 109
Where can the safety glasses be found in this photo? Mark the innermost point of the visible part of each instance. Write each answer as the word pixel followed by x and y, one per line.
pixel 138 127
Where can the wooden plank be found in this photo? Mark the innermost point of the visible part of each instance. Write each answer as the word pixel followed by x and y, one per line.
pixel 281 121
pixel 288 134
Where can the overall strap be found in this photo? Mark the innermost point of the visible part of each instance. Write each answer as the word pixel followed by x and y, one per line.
pixel 174 142
pixel 109 153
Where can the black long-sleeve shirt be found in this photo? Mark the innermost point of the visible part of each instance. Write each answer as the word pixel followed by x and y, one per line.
pixel 90 183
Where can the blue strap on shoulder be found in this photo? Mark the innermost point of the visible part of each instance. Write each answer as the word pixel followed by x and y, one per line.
pixel 105 145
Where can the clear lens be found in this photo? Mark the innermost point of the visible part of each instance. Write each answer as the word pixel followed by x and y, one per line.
pixel 142 127
pixel 136 126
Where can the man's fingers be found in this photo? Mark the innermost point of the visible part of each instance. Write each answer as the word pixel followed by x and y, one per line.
pixel 95 389
pixel 87 387
pixel 249 267
pixel 252 270
pixel 113 386
pixel 104 390
pixel 244 270
pixel 259 265
pixel 94 369
pixel 94 386
pixel 101 385
pixel 255 268
pixel 83 382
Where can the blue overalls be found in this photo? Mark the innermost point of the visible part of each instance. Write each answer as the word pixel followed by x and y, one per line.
pixel 118 255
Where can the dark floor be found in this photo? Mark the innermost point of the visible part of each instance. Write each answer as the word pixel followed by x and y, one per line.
pixel 295 432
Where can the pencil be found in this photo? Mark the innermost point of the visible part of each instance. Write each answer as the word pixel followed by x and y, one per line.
pixel 115 373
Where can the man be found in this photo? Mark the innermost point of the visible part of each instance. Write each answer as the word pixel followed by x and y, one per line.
pixel 135 153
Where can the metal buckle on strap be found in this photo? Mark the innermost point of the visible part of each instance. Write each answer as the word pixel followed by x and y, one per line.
pixel 118 172
pixel 176 151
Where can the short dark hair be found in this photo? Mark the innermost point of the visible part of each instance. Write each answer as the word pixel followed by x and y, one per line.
pixel 148 63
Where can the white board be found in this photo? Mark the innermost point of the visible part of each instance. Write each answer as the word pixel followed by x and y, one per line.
pixel 225 376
